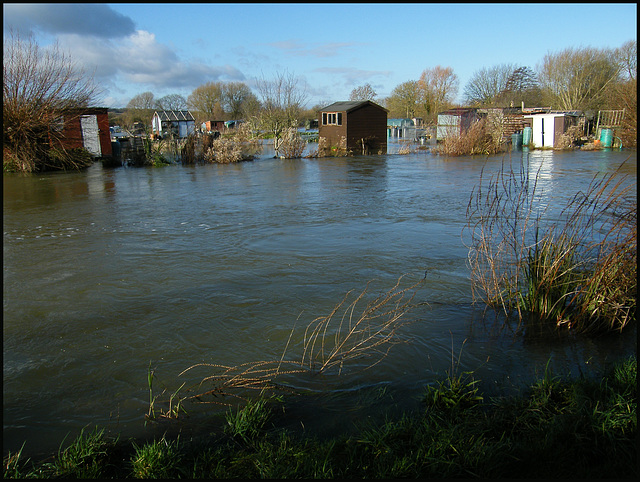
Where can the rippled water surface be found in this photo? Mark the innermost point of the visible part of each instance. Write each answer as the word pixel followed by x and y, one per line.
pixel 107 271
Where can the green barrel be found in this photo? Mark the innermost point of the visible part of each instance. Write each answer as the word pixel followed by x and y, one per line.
pixel 606 137
pixel 516 140
pixel 527 134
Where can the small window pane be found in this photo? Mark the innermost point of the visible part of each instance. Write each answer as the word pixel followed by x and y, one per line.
pixel 339 118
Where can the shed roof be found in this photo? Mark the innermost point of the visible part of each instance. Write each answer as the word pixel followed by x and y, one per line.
pixel 348 106
pixel 175 115
pixel 459 111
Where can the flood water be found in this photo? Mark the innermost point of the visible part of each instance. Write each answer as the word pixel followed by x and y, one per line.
pixel 107 271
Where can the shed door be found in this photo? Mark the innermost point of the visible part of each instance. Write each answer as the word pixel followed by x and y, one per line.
pixel 558 129
pixel 90 134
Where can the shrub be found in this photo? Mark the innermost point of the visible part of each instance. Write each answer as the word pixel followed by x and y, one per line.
pixel 241 145
pixel 292 145
pixel 65 159
pixel 478 139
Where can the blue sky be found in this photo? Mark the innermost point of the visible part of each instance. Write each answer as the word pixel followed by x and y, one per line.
pixel 331 48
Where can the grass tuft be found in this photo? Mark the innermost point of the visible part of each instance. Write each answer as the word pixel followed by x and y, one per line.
pixel 581 428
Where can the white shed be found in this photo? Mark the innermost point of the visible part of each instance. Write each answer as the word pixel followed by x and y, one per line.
pixel 178 123
pixel 548 127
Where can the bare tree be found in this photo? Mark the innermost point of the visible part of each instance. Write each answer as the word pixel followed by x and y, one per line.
pixel 486 85
pixel 207 101
pixel 363 92
pixel 627 59
pixel 171 102
pixel 403 101
pixel 139 109
pixel 577 79
pixel 282 102
pixel 522 86
pixel 238 98
pixel 625 93
pixel 39 86
pixel 438 88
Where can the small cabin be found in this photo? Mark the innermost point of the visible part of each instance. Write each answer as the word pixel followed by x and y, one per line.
pixel 86 128
pixel 362 123
pixel 177 124
pixel 454 122
pixel 546 128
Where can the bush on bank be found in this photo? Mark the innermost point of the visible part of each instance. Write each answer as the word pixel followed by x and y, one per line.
pixel 557 428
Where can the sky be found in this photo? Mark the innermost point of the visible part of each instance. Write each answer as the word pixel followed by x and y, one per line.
pixel 329 48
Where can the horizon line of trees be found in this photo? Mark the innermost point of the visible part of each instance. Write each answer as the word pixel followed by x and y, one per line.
pixel 573 79
pixel 38 84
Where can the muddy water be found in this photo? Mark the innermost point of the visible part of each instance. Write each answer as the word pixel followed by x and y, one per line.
pixel 109 271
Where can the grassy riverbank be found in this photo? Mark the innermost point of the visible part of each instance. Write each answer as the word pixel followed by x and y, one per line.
pixel 557 428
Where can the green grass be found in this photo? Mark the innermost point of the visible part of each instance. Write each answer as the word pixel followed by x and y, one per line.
pixel 556 428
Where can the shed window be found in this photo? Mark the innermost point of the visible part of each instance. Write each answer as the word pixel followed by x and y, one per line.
pixel 332 118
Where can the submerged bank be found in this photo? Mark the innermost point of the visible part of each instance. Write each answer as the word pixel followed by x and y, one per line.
pixel 556 428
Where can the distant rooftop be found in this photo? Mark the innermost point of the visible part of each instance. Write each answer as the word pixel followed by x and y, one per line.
pixel 348 106
pixel 175 115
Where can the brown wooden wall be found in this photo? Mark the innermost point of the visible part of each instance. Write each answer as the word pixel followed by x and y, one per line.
pixel 333 133
pixel 368 122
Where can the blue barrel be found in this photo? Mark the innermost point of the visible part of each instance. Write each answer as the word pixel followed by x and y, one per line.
pixel 527 134
pixel 516 140
pixel 606 137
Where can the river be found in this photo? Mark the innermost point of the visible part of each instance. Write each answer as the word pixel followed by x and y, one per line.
pixel 107 271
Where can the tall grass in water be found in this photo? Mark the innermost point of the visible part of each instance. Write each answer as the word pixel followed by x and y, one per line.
pixel 577 271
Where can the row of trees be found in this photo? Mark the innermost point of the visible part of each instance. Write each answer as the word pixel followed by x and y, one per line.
pixel 39 84
pixel 580 79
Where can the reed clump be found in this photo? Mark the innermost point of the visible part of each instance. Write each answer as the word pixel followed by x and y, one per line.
pixel 477 139
pixel 576 270
pixel 240 145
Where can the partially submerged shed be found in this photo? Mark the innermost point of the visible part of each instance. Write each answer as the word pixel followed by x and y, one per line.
pixel 454 122
pixel 362 123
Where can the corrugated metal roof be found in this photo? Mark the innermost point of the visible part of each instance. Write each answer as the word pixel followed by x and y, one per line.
pixel 175 115
pixel 348 106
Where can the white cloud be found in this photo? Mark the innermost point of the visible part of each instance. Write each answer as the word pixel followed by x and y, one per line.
pixel 141 59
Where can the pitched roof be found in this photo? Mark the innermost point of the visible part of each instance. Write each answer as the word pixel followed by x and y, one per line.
pixel 175 115
pixel 348 106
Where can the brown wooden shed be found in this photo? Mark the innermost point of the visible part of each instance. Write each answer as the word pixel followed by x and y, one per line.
pixel 213 125
pixel 84 128
pixel 362 123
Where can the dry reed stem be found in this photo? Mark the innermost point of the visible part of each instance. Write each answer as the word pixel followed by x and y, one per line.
pixel 373 331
